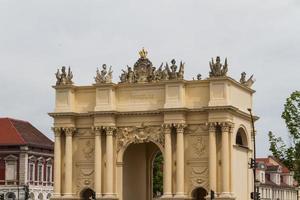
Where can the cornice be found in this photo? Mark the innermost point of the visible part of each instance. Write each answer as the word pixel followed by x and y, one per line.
pixel 233 110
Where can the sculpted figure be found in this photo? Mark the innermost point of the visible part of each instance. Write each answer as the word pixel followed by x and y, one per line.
pixel 123 77
pixel 64 78
pixel 180 73
pixel 130 75
pixel 199 76
pixel 159 73
pixel 165 73
pixel 218 69
pixel 173 74
pixel 103 76
pixel 245 82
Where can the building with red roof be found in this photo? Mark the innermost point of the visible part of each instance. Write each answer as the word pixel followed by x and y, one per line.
pixel 26 161
pixel 276 180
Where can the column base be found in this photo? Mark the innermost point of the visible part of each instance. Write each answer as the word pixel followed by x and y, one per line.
pixel 180 196
pixel 226 196
pixel 109 197
pixel 166 196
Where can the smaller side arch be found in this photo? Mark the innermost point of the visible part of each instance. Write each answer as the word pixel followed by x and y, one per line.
pixel 199 193
pixel 87 194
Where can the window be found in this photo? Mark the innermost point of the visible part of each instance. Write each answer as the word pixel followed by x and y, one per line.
pixel 40 172
pixel 10 167
pixel 241 138
pixel 10 171
pixel 49 173
pixel 31 171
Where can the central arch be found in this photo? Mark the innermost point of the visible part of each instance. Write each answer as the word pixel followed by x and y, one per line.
pixel 138 171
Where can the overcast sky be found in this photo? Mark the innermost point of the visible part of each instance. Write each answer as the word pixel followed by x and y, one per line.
pixel 260 37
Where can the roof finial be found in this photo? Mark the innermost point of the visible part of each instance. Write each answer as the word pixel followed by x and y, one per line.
pixel 143 53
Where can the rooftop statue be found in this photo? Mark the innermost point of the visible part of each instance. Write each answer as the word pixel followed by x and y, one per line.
pixel 245 82
pixel 104 76
pixel 143 71
pixel 64 78
pixel 217 68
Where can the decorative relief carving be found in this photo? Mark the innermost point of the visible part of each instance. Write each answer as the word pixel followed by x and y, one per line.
pixel 88 150
pixel 197 129
pixel 199 146
pixel 126 135
pixel 85 174
pixel 199 176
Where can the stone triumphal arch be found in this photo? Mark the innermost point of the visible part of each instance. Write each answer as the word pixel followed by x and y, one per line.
pixel 107 134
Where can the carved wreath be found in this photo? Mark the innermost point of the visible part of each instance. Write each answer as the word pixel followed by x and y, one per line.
pixel 142 134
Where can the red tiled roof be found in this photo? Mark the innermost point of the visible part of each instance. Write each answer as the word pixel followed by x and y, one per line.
pixel 18 132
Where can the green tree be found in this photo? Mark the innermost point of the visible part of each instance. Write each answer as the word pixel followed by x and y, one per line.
pixel 289 155
pixel 158 174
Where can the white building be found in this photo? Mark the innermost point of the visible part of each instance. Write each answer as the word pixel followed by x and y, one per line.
pixel 276 180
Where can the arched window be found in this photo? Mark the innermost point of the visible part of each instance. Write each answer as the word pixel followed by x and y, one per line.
pixel 199 193
pixel 40 197
pixel 241 138
pixel 10 196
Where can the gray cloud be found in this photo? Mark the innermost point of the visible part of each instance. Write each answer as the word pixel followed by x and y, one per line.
pixel 37 37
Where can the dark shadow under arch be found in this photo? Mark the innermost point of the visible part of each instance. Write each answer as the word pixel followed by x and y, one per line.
pixel 87 194
pixel 199 193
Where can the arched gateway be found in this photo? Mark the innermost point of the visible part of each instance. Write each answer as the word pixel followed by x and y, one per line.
pixel 107 135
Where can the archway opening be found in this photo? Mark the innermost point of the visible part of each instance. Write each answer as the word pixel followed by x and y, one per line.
pixel 138 168
pixel 241 138
pixel 199 193
pixel 87 194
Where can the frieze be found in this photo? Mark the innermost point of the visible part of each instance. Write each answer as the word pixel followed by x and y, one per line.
pixel 141 134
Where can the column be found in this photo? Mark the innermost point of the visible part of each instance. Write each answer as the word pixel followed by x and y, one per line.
pixel 109 162
pixel 57 162
pixel 167 162
pixel 68 161
pixel 212 157
pixel 180 161
pixel 98 162
pixel 225 160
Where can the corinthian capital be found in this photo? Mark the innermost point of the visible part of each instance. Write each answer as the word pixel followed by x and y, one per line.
pixel 69 131
pixel 180 127
pixel 226 126
pixel 109 130
pixel 212 126
pixel 57 131
pixel 167 128
pixel 97 130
